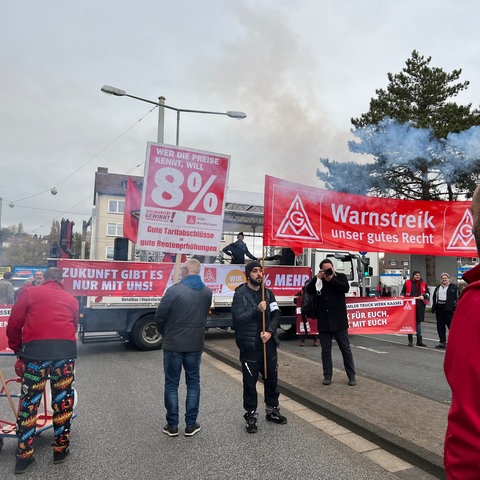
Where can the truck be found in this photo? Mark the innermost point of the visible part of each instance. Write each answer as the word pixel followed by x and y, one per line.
pixel 118 299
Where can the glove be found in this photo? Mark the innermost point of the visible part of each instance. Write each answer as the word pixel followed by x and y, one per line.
pixel 20 367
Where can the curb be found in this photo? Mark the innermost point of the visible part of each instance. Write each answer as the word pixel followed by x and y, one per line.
pixel 406 450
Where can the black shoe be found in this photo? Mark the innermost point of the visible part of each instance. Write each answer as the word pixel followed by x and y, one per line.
pixel 23 464
pixel 441 346
pixel 352 382
pixel 191 430
pixel 327 381
pixel 251 419
pixel 276 417
pixel 60 457
pixel 170 430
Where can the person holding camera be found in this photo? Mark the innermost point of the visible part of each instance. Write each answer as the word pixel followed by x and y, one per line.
pixel 329 288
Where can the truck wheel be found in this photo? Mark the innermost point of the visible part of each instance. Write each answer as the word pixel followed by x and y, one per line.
pixel 145 335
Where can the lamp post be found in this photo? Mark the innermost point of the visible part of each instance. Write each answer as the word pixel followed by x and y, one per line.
pixel 161 128
pixel 161 104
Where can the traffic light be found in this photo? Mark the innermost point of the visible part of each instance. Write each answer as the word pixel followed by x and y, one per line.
pixel 367 271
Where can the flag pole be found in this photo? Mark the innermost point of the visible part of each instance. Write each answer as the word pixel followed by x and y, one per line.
pixel 263 313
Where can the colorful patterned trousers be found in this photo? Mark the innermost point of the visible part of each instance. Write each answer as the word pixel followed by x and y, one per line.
pixel 34 380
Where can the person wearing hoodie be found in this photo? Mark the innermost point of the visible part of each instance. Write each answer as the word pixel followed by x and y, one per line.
pixel 181 317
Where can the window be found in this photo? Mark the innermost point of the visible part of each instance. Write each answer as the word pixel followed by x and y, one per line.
pixel 393 263
pixel 116 206
pixel 108 253
pixel 114 230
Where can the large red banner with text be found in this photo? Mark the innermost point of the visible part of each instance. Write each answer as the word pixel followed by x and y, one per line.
pixel 132 279
pixel 382 316
pixel 144 279
pixel 183 200
pixel 371 316
pixel 300 216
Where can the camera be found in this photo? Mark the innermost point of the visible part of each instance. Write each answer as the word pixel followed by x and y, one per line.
pixel 328 272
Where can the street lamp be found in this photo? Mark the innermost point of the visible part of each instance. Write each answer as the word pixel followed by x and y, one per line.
pixel 161 103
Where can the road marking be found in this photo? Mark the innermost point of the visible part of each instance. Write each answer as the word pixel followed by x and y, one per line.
pixel 369 349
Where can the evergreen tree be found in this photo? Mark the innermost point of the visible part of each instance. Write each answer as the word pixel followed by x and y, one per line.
pixel 424 145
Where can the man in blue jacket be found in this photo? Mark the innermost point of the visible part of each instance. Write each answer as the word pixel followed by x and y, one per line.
pixel 248 309
pixel 181 318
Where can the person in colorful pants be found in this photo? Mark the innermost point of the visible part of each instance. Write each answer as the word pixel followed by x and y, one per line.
pixel 42 332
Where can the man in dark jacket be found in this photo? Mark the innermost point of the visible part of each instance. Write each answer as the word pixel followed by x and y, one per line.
pixel 237 250
pixel 329 288
pixel 181 318
pixel 445 299
pixel 42 331
pixel 248 307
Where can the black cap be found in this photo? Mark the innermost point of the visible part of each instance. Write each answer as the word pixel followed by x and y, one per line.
pixel 250 266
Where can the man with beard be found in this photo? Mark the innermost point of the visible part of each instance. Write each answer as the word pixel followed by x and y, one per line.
pixel 248 308
pixel 462 369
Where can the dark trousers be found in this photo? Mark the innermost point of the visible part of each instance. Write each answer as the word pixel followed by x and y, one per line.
pixel 252 367
pixel 341 337
pixel 444 320
pixel 37 374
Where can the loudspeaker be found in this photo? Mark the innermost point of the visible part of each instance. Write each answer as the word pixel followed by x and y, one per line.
pixel 120 249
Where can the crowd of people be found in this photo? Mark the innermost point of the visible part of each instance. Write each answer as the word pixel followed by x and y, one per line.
pixel 42 333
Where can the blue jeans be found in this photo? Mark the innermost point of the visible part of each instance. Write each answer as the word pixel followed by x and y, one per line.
pixel 172 366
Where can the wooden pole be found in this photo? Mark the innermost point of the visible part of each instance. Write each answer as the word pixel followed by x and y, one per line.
pixel 263 315
pixel 5 387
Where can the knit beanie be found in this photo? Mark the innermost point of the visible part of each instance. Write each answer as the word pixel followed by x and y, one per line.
pixel 250 266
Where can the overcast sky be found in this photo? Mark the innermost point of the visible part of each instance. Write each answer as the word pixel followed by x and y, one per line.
pixel 300 69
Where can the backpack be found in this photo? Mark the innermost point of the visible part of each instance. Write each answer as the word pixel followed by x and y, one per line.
pixel 308 304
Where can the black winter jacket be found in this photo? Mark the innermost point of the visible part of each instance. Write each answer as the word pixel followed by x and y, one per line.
pixel 330 306
pixel 452 298
pixel 247 318
pixel 181 316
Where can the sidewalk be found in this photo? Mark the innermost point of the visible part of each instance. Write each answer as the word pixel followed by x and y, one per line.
pixel 407 425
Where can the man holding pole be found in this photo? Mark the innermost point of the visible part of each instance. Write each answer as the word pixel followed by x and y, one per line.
pixel 255 319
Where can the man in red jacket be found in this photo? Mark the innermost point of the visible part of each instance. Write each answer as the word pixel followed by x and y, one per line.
pixel 462 369
pixel 42 332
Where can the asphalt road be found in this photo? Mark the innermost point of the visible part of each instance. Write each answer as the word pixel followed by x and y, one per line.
pixel 117 433
pixel 388 359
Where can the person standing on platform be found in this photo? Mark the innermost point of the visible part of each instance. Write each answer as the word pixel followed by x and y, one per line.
pixel 237 250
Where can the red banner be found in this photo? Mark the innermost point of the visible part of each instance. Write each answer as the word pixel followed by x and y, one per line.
pixel 368 316
pixel 132 279
pixel 132 211
pixel 182 200
pixel 299 216
pixel 382 316
pixel 144 279
pixel 4 315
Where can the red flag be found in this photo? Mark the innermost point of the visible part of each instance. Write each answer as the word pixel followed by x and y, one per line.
pixel 131 212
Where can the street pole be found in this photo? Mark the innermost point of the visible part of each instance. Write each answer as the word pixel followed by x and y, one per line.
pixel 161 120
pixel 161 132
